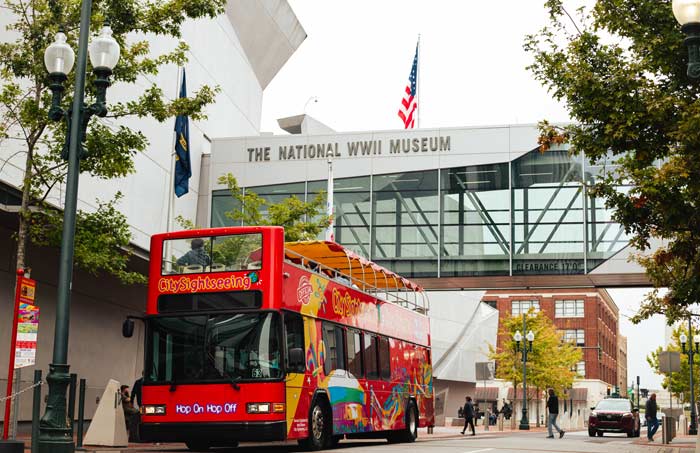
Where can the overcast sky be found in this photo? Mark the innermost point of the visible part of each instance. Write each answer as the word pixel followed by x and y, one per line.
pixel 356 61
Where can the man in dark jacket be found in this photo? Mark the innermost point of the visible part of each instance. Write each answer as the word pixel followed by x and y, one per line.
pixel 650 415
pixel 469 415
pixel 553 408
pixel 196 256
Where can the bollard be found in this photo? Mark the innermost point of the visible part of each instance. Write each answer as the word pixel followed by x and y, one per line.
pixel 36 410
pixel 71 400
pixel 81 414
pixel 668 429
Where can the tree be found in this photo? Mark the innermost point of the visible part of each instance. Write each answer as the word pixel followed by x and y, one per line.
pixel 677 383
pixel 102 237
pixel 620 69
pixel 551 361
pixel 302 220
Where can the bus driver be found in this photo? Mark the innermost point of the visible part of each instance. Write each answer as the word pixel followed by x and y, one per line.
pixel 195 256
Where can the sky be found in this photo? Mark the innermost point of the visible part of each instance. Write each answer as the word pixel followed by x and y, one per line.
pixel 351 72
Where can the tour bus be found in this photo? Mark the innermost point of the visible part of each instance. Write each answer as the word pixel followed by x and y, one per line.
pixel 249 338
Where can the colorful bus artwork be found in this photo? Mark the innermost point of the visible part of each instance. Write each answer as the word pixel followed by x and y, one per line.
pixel 249 338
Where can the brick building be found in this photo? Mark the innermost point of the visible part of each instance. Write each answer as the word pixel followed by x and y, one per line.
pixel 622 363
pixel 588 317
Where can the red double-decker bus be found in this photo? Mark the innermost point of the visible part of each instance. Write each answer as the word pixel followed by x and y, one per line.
pixel 249 338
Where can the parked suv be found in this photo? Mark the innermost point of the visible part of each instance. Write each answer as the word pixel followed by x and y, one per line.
pixel 614 415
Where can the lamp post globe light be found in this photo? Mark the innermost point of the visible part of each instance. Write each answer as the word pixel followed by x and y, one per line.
pixel 530 337
pixel 55 432
pixel 691 351
pixel 687 13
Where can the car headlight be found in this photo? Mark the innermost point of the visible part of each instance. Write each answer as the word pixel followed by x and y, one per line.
pixel 153 409
pixel 594 414
pixel 627 414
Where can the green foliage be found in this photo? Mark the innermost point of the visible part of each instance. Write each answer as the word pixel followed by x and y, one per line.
pixel 621 73
pixel 550 363
pixel 677 383
pixel 302 221
pixel 102 237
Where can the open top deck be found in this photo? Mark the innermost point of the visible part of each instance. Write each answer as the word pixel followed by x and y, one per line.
pixel 345 266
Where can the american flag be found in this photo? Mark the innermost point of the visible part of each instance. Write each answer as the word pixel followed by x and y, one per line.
pixel 409 103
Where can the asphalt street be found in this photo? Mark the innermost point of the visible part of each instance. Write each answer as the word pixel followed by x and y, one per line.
pixel 530 442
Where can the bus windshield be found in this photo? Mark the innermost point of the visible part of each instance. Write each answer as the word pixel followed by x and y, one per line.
pixel 213 348
pixel 212 254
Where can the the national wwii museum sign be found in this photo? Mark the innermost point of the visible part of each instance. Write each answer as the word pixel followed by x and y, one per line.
pixel 362 148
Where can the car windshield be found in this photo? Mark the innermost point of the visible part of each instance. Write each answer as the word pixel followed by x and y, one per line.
pixel 213 348
pixel 614 405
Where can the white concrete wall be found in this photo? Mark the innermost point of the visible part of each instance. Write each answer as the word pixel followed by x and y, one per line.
pixel 469 146
pixel 216 58
pixel 237 110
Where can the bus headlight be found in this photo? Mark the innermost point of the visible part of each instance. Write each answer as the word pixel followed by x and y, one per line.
pixel 153 409
pixel 258 408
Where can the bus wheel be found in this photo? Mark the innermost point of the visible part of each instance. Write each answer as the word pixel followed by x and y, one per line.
pixel 319 428
pixel 197 445
pixel 410 432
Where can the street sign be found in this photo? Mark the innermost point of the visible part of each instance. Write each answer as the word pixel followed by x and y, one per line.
pixel 485 371
pixel 669 361
pixel 27 332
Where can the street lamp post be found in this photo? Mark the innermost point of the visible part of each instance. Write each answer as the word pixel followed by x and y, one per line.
pixel 687 13
pixel 692 350
pixel 530 337
pixel 55 432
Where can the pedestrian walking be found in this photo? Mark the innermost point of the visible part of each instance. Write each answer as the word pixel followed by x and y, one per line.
pixel 650 414
pixel 553 408
pixel 468 411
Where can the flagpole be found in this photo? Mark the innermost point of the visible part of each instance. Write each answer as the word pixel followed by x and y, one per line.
pixel 418 85
pixel 330 236
pixel 171 183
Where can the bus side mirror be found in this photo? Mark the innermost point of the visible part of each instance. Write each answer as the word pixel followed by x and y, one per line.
pixel 128 328
pixel 296 359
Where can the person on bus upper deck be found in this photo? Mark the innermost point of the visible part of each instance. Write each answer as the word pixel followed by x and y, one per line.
pixel 195 256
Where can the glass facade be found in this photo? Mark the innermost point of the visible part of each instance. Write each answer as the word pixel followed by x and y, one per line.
pixel 533 215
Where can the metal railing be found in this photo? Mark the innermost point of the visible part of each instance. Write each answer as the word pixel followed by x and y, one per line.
pixel 400 295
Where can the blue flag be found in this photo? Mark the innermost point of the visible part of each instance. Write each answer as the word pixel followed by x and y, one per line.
pixel 183 167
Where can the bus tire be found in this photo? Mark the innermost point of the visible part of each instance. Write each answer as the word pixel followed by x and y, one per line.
pixel 197 445
pixel 410 432
pixel 320 428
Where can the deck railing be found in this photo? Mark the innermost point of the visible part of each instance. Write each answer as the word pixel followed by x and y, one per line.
pixel 400 295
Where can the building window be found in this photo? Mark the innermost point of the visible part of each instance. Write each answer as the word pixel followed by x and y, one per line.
pixel 519 307
pixel 580 369
pixel 568 309
pixel 490 303
pixel 576 336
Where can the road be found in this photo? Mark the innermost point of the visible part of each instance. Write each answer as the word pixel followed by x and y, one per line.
pixel 528 442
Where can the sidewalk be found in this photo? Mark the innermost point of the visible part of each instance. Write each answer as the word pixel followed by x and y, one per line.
pixel 440 432
pixel 682 442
